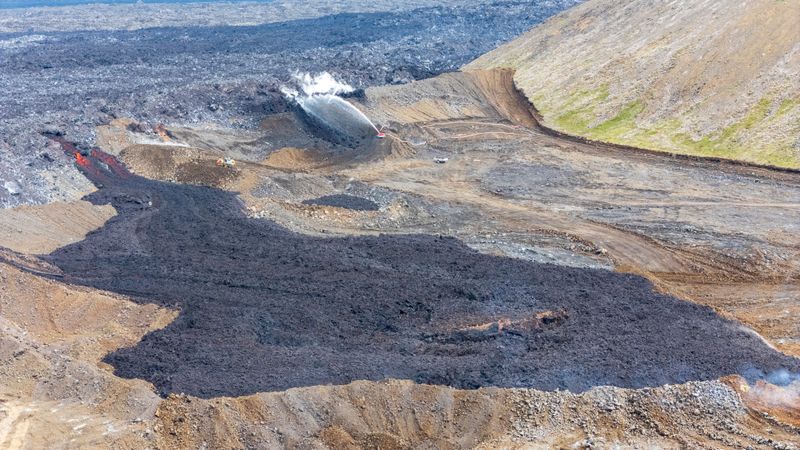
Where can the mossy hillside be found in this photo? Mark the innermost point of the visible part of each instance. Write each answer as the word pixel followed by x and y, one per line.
pixel 577 115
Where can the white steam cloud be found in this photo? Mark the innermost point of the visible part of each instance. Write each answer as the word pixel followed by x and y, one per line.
pixel 320 84
pixel 778 389
pixel 783 377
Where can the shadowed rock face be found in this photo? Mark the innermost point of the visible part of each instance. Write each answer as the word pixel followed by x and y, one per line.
pixel 266 309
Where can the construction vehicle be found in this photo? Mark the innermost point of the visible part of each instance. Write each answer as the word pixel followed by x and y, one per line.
pixel 226 162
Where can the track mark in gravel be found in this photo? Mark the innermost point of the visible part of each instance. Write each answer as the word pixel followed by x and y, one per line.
pixel 265 309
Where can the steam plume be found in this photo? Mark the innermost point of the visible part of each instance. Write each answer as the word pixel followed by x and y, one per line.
pixel 318 96
pixel 322 83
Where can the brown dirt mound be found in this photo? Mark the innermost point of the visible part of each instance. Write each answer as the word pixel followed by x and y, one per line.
pixel 179 164
pixel 400 414
pixel 44 228
pixel 294 159
pixel 53 387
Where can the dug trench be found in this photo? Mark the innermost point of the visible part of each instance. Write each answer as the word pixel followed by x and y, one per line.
pixel 262 308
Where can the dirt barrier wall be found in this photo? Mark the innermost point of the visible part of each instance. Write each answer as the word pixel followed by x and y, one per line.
pixel 538 118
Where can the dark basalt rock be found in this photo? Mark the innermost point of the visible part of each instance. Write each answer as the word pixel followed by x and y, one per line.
pixel 345 201
pixel 265 309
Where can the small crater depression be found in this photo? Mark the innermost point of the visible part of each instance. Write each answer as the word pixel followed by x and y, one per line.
pixel 344 201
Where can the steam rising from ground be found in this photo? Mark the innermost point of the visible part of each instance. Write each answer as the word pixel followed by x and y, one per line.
pixel 319 84
pixel 783 377
pixel 775 389
pixel 318 96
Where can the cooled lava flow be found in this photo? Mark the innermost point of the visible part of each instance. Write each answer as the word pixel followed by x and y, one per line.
pixel 264 309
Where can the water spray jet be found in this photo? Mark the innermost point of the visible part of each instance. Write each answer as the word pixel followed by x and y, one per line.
pixel 318 97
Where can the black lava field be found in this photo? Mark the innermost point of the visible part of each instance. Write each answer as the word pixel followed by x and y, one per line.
pixel 266 309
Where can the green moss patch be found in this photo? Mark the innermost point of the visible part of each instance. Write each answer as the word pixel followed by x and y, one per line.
pixel 578 116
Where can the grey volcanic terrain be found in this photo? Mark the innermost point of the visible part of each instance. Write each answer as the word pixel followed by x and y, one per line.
pixel 70 82
pixel 297 224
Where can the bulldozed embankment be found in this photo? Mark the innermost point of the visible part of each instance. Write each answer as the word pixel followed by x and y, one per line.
pixel 44 228
pixel 54 390
pixel 400 414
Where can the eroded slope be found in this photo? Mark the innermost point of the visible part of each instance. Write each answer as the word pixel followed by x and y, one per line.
pixel 54 391
pixel 711 78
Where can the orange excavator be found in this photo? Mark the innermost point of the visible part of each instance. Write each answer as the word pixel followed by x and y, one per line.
pixel 226 162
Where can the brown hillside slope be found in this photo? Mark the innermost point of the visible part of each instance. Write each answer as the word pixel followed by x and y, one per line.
pixel 44 228
pixel 701 77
